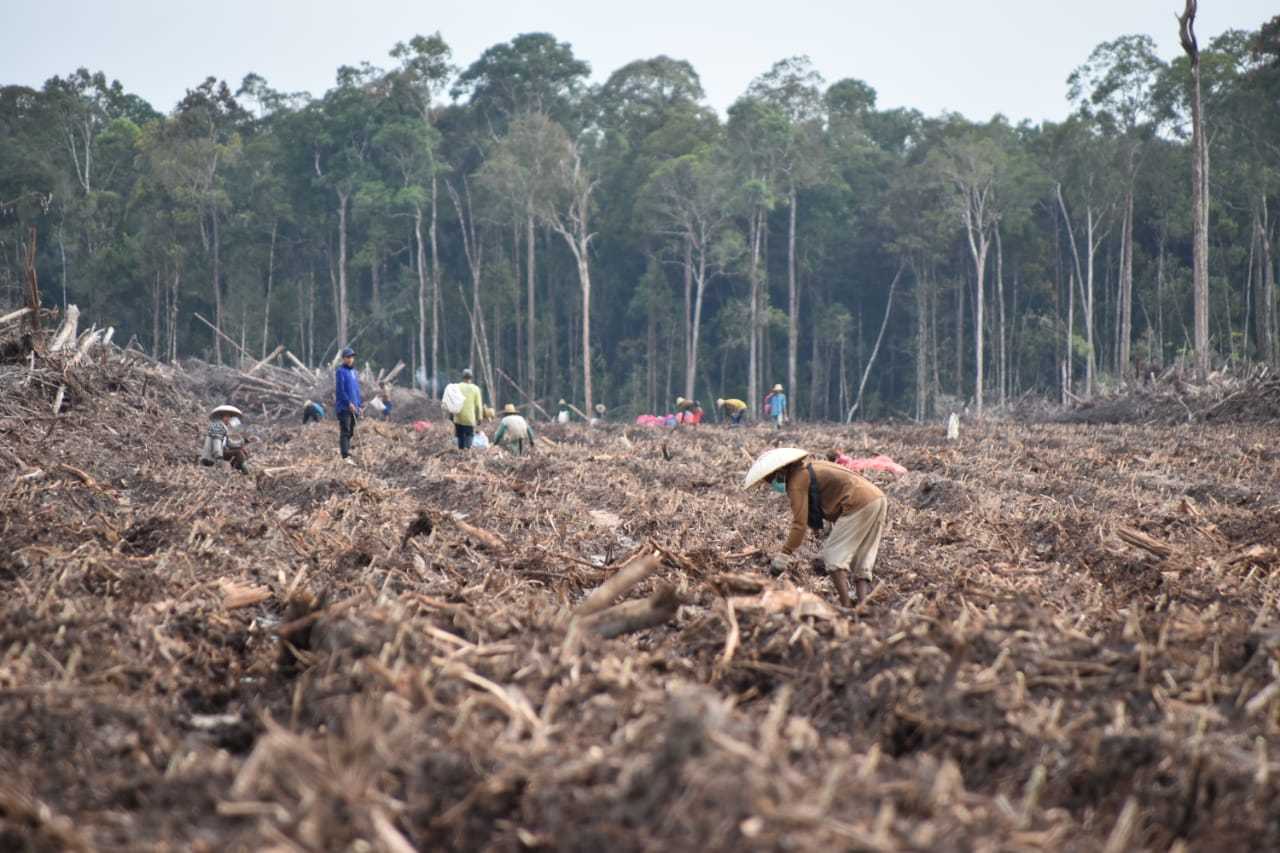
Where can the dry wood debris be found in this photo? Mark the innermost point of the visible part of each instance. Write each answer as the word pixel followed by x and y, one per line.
pixel 388 657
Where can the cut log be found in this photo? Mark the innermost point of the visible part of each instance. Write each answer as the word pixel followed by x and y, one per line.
pixel 616 586
pixel 219 333
pixel 1138 539
pixel 632 616
pixel 237 594
pixel 483 537
pixel 395 371
pixel 530 400
pixel 67 332
pixel 14 315
pixel 275 352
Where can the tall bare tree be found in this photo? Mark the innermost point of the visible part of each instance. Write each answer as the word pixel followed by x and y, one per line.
pixel 970 168
pixel 1199 193
pixel 690 198
pixel 567 211
pixel 522 170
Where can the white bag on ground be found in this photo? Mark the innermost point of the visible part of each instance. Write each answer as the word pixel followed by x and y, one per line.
pixel 452 399
pixel 479 441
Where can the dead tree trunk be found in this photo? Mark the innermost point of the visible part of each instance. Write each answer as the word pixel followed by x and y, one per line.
pixel 922 341
pixel 422 286
pixel 271 274
pixel 1124 353
pixel 217 284
pixel 435 289
pixel 1002 368
pixel 753 358
pixel 157 298
pixel 793 299
pixel 875 350
pixel 688 316
pixel 174 294
pixel 343 198
pixel 1199 193
pixel 1267 281
pixel 531 320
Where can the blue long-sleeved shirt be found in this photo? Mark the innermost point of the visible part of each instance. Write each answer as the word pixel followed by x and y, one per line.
pixel 777 405
pixel 346 389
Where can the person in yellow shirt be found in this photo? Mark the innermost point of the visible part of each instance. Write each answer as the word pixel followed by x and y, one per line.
pixel 733 409
pixel 471 413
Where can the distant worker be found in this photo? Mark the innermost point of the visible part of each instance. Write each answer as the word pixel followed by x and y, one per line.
pixel 219 445
pixel 513 428
pixel 562 416
pixel 312 411
pixel 348 404
pixel 600 413
pixel 776 406
pixel 386 402
pixel 688 411
pixel 733 409
pixel 471 412
pixel 824 491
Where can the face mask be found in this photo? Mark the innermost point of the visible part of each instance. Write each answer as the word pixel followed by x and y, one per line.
pixel 235 423
pixel 779 486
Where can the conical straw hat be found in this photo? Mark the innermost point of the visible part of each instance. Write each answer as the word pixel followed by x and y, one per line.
pixel 770 462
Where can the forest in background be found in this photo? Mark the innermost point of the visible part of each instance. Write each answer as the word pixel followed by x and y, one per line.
pixel 623 243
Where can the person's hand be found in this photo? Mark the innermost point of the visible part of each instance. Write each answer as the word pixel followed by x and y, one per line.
pixel 780 563
pixel 351 407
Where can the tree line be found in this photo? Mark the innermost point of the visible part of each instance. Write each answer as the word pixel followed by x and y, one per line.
pixel 623 243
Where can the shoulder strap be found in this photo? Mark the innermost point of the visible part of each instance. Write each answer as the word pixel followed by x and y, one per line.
pixel 815 500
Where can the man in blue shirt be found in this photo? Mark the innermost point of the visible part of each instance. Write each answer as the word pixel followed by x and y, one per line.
pixel 347 402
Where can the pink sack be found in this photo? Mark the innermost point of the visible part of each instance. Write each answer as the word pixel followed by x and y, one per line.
pixel 421 426
pixel 875 463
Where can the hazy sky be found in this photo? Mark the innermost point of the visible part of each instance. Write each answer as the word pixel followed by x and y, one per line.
pixel 977 57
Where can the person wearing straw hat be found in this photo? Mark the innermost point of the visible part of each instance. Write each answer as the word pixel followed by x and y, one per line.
pixel 219 446
pixel 775 405
pixel 688 411
pixel 348 404
pixel 562 415
pixel 733 409
pixel 823 491
pixel 515 428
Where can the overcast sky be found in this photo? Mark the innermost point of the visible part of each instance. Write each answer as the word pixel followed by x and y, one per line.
pixel 976 58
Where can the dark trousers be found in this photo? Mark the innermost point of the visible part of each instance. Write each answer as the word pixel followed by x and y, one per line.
pixel 346 429
pixel 237 456
pixel 736 418
pixel 464 434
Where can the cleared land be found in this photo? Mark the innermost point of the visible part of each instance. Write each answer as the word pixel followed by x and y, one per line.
pixel 1073 644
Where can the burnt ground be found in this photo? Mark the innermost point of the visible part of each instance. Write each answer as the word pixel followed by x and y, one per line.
pixel 1022 678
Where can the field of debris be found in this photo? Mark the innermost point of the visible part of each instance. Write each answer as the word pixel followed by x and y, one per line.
pixel 1072 641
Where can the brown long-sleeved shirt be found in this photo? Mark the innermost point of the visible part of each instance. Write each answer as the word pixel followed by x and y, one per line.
pixel 842 493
